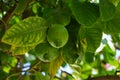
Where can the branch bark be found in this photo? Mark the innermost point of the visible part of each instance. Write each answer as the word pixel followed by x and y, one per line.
pixel 6 18
pixel 112 77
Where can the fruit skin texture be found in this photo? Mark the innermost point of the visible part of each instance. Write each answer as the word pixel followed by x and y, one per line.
pixel 57 35
pixel 46 53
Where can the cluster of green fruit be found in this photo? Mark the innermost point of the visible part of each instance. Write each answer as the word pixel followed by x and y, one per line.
pixel 48 52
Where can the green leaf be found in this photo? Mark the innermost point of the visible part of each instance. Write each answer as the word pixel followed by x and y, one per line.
pixel 20 50
pixel 102 71
pixel 28 32
pixel 107 10
pixel 113 26
pixel 13 61
pixel 116 38
pixel 35 7
pixel 21 6
pixel 89 57
pixel 115 2
pixel 69 53
pixel 2 74
pixel 57 16
pixel 86 67
pixel 44 67
pixel 109 56
pixel 6 59
pixel 40 76
pixel 6 68
pixel 85 13
pixel 84 76
pixel 118 8
pixel 97 61
pixel 27 77
pixel 93 37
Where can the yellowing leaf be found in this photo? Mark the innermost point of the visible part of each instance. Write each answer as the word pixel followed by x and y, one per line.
pixel 28 32
pixel 54 66
pixel 20 50
pixel 27 77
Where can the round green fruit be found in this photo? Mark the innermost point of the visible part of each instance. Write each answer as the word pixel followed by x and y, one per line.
pixel 57 35
pixel 46 52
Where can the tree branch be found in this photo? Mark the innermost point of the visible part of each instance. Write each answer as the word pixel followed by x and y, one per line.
pixel 6 18
pixel 16 74
pixel 112 77
pixel 33 66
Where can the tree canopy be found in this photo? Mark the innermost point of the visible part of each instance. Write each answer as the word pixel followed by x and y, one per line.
pixel 39 37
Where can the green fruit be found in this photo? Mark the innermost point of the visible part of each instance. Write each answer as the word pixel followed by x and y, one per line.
pixel 46 53
pixel 57 35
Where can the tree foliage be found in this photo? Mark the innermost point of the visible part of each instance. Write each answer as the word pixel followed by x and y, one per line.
pixel 37 37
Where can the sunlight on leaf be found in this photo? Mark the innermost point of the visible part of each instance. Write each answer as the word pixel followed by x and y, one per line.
pixel 28 32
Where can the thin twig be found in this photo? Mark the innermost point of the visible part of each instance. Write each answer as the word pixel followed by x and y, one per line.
pixel 67 73
pixel 8 78
pixel 33 66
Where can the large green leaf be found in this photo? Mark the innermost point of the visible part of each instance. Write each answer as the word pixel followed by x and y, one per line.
pixel 93 37
pixel 113 26
pixel 85 13
pixel 69 53
pixel 89 57
pixel 116 38
pixel 28 32
pixel 57 16
pixel 107 10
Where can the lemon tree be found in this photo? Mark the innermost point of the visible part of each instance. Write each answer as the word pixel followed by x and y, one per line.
pixel 40 38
